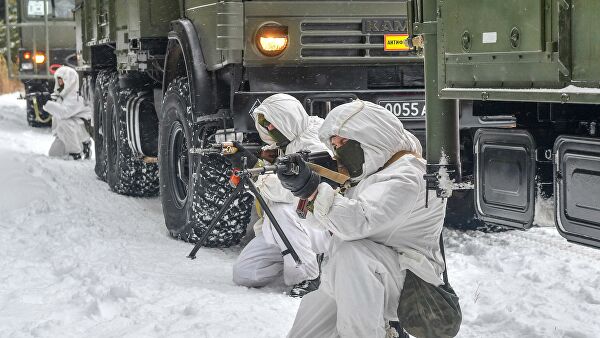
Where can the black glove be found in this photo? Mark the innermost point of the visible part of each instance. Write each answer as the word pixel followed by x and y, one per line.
pixel 304 183
pixel 236 159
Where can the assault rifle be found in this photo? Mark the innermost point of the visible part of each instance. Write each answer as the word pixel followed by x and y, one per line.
pixel 224 148
pixel 245 176
pixel 35 94
pixel 319 162
pixel 246 182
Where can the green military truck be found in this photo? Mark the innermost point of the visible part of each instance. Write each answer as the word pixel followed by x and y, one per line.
pixel 46 30
pixel 536 60
pixel 172 77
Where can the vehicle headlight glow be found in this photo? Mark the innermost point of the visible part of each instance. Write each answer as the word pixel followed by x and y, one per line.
pixel 272 39
pixel 40 58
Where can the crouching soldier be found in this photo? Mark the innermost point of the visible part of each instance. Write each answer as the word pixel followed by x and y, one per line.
pixel 380 225
pixel 282 123
pixel 69 116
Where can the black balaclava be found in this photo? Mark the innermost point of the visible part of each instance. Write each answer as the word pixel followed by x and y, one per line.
pixel 278 136
pixel 352 157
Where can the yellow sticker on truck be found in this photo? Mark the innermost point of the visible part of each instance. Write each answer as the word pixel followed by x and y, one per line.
pixel 395 42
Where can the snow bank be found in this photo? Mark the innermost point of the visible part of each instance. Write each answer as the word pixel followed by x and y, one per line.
pixel 80 261
pixel 524 284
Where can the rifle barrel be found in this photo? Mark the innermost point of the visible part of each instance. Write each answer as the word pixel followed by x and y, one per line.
pixel 268 169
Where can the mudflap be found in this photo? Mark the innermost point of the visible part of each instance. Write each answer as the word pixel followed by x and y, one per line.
pixel 577 189
pixel 505 177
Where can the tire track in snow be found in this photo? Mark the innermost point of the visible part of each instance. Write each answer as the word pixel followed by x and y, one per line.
pixel 556 244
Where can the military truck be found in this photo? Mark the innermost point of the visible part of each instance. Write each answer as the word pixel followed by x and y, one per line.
pixel 172 77
pixel 47 41
pixel 533 60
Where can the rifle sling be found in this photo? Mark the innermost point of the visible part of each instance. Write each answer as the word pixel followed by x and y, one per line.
pixel 341 179
pixel 338 178
pixel 398 156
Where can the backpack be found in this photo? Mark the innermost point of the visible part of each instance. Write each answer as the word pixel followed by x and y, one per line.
pixel 429 311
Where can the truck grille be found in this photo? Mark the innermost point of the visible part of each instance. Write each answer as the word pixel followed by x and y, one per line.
pixel 342 40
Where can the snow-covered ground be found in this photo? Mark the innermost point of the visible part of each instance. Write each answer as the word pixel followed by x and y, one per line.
pixel 79 261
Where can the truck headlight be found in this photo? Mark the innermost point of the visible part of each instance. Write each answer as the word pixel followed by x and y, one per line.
pixel 40 58
pixel 272 39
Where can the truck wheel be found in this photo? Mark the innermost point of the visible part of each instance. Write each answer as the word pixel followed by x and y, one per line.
pixel 99 108
pixel 126 174
pixel 193 189
pixel 461 215
pixel 460 211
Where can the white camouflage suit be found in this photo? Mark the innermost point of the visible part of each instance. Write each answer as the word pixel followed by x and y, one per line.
pixel 380 228
pixel 68 112
pixel 261 262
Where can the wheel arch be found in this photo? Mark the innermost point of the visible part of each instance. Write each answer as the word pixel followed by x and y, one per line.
pixel 184 57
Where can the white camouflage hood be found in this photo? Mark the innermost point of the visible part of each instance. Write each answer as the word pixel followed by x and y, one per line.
pixel 71 80
pixel 287 114
pixel 68 103
pixel 378 131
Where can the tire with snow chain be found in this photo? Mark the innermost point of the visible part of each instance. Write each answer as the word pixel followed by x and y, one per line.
pixel 126 174
pixel 193 189
pixel 99 111
pixel 211 191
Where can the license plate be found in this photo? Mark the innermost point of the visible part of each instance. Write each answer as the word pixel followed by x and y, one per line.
pixel 414 109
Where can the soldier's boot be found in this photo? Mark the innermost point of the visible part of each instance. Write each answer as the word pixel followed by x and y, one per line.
pixel 87 150
pixel 304 287
pixel 394 330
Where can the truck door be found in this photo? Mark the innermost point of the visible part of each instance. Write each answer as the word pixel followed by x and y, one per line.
pixel 577 189
pixel 505 177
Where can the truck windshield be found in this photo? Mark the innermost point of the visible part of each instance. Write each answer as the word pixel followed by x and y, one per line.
pixel 58 9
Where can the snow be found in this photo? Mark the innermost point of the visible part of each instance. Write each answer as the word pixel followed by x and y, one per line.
pixel 445 184
pixel 544 211
pixel 77 260
pixel 524 284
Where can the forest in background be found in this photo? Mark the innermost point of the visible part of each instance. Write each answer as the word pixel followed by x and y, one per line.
pixel 8 85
